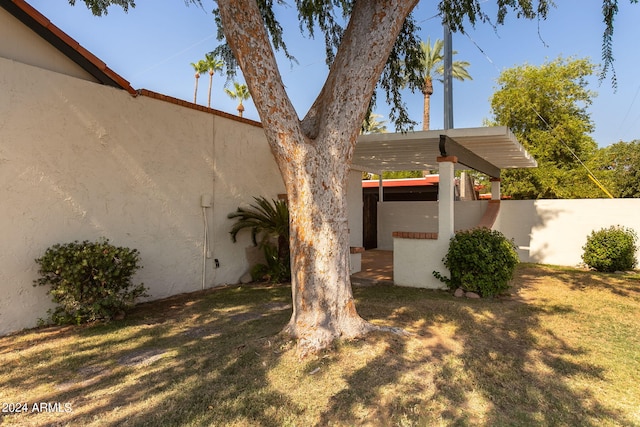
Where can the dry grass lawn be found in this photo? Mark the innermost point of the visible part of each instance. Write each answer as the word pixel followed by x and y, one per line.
pixel 563 349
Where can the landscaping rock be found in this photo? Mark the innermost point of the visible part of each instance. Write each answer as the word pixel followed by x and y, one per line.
pixel 459 293
pixel 246 278
pixel 471 295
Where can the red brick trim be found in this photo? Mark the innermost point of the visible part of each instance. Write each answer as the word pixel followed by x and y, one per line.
pixel 452 159
pixel 415 235
pixel 187 104
pixel 356 250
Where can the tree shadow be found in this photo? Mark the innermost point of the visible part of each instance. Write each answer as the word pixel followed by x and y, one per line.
pixel 506 369
pixel 179 362
pixel 208 360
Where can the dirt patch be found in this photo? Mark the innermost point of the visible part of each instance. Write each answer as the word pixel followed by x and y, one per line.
pixel 141 357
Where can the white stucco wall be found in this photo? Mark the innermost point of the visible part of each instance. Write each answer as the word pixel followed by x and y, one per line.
pixel 545 231
pixel 21 44
pixel 415 260
pixel 422 217
pixel 79 160
pixel 354 202
pixel 554 231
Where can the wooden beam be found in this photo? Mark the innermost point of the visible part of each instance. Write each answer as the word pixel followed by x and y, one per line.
pixel 449 147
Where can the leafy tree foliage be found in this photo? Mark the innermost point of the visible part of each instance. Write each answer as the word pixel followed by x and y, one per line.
pixel 546 107
pixel 620 164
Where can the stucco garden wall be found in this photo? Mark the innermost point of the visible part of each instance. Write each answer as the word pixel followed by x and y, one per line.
pixel 422 217
pixel 79 160
pixel 554 231
pixel 545 231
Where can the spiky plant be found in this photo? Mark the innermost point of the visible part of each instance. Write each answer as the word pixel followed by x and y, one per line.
pixel 270 219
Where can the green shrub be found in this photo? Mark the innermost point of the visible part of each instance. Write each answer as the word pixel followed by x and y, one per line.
pixel 611 249
pixel 89 281
pixel 481 261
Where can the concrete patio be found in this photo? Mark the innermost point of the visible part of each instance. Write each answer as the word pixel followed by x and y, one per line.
pixel 377 269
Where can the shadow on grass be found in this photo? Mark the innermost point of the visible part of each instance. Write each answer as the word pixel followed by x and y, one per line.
pixel 210 359
pixel 506 370
pixel 623 284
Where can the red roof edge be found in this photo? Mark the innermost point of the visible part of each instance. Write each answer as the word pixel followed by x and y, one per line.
pixel 66 44
pixel 405 182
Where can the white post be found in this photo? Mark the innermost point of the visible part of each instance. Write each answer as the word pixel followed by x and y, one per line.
pixel 446 188
pixel 495 188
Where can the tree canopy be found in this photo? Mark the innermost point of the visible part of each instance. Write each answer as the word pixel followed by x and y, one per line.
pixel 546 107
pixel 367 44
pixel 619 164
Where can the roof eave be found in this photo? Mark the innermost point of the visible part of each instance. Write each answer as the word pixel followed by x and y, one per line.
pixel 65 44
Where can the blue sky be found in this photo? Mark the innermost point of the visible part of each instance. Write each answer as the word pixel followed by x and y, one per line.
pixel 153 45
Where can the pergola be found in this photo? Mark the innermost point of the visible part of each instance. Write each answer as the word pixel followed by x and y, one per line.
pixel 485 149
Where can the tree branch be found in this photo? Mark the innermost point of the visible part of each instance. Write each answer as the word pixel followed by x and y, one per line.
pixel 360 59
pixel 246 35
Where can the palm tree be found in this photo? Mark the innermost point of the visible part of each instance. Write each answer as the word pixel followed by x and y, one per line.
pixel 199 67
pixel 241 92
pixel 433 64
pixel 271 219
pixel 373 125
pixel 213 64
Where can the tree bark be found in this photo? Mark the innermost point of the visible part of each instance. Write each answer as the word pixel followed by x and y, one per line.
pixel 314 155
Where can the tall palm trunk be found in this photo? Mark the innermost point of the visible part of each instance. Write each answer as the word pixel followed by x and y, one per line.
pixel 210 84
pixel 427 91
pixel 195 89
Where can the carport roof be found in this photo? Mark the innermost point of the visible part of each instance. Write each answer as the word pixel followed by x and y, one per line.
pixel 419 150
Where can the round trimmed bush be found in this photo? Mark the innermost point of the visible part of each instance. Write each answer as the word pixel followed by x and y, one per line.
pixel 89 281
pixel 480 260
pixel 611 249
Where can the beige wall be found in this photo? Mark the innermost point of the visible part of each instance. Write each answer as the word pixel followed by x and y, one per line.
pixel 354 202
pixel 554 231
pixel 422 217
pixel 21 44
pixel 545 231
pixel 79 160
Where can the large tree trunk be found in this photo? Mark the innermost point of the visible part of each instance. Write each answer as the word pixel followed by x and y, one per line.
pixel 323 306
pixel 314 155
